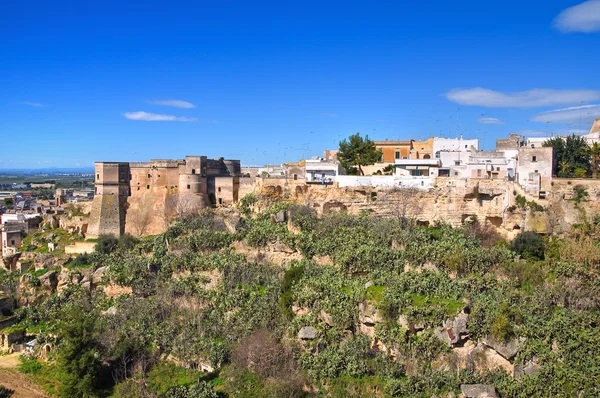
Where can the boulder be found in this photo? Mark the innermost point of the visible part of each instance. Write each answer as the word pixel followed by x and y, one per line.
pixel 325 317
pixel 49 280
pixel 527 369
pixel 44 261
pixel 64 278
pixel 368 314
pixel 86 275
pixel 98 275
pixel 508 349
pixel 478 391
pixel 300 311
pixel 453 331
pixel 307 333
pixel 233 222
pixel 280 216
pixel 111 311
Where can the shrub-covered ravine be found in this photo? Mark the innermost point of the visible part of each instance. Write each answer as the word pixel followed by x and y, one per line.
pixel 359 306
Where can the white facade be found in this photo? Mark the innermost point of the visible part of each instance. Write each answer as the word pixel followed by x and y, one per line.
pixel 453 144
pixel 424 183
pixel 321 171
pixel 477 164
pixel 536 142
pixel 535 168
pixel 417 167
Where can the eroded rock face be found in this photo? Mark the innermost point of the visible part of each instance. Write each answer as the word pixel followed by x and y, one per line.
pixel 307 333
pixel 98 275
pixel 507 349
pixel 368 314
pixel 478 391
pixel 44 261
pixel 478 357
pixel 453 331
pixel 49 280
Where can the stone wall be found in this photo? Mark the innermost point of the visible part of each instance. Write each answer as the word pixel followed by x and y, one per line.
pixel 81 248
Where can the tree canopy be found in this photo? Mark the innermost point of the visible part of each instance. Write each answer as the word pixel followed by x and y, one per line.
pixel 357 152
pixel 572 157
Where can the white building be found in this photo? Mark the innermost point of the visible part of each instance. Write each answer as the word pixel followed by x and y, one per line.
pixel 322 171
pixel 536 142
pixel 417 167
pixel 535 168
pixel 477 164
pixel 453 144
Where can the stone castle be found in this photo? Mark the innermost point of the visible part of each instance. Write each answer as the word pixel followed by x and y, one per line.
pixel 143 198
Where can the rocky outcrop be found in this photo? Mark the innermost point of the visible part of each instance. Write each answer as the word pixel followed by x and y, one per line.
pixel 368 314
pixel 49 280
pixel 477 357
pixel 453 331
pixel 308 333
pixel 508 349
pixel 478 391
pixel 98 275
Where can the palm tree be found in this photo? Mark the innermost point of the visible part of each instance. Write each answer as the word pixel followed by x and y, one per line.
pixel 564 169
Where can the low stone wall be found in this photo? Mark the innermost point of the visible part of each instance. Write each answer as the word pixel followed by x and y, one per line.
pixel 81 248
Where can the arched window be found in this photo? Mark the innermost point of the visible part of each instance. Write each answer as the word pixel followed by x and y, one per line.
pixel 426 157
pixel 437 155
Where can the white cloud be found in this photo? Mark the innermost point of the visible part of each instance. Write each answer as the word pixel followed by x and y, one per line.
pixel 329 114
pixel 577 114
pixel 155 117
pixel 584 17
pixel 173 103
pixel 30 103
pixel 525 99
pixel 490 120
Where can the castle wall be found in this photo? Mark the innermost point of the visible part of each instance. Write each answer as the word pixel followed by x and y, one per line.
pixel 144 198
pixel 107 215
pixel 226 190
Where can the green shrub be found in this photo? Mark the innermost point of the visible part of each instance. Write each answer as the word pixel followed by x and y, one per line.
pixel 126 242
pixel 200 390
pixel 246 204
pixel 530 245
pixel 290 278
pixel 106 244
pixel 29 366
pixel 81 260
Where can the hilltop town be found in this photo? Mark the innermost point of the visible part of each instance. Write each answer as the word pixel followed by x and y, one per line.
pixel 451 179
pixel 437 265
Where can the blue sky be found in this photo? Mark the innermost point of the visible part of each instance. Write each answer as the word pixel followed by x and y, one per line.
pixel 267 82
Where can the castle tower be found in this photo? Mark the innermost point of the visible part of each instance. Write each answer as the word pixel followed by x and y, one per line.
pixel 60 197
pixel 110 200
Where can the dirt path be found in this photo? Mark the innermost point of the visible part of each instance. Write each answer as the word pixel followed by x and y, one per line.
pixel 10 361
pixel 20 384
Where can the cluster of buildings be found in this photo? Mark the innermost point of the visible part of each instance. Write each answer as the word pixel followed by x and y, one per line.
pixel 27 213
pixel 144 197
pixel 410 160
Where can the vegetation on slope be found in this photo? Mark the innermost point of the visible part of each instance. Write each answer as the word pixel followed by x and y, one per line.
pixel 204 320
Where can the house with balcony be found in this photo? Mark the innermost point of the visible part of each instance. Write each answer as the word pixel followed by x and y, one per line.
pixel 321 171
